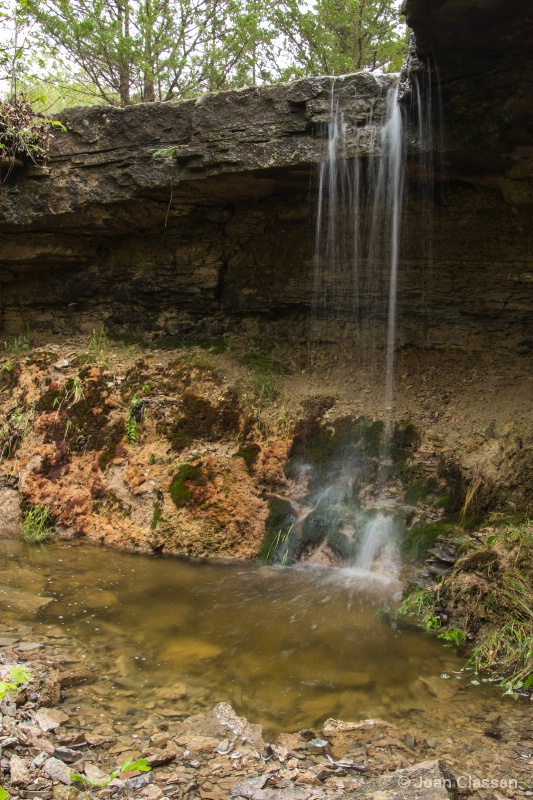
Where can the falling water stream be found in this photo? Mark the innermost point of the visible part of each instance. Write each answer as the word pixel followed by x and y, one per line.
pixel 356 271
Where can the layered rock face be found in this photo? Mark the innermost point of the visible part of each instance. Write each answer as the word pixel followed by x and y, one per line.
pixel 220 236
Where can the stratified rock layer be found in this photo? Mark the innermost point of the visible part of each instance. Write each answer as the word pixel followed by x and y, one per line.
pixel 219 237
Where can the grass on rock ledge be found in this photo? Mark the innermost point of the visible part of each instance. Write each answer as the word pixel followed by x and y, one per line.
pixel 487 600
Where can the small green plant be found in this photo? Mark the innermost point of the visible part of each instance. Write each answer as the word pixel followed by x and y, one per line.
pixel 98 346
pixel 165 153
pixel 135 415
pixel 12 432
pixel 279 544
pixel 156 516
pixel 453 636
pixel 260 390
pixel 129 765
pixel 37 524
pixel 420 605
pixel 23 134
pixel 132 433
pixel 19 344
pixel 17 677
pixel 73 394
pixel 3 794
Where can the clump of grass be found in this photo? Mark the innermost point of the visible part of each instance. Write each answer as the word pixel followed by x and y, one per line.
pixel 416 541
pixel 98 347
pixel 37 524
pixel 505 644
pixel 23 133
pixel 487 598
pixel 420 606
pixel 18 344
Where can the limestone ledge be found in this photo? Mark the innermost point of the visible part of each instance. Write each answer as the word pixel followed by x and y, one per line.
pixel 106 155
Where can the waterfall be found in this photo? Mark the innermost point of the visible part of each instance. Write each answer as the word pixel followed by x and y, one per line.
pixel 356 273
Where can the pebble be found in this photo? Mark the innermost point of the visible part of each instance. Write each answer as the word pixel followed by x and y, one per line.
pixel 50 718
pixel 57 771
pixel 19 772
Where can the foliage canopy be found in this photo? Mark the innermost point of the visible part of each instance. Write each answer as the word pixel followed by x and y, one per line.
pixel 126 51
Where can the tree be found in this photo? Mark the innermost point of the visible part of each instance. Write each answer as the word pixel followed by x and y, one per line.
pixel 145 50
pixel 125 51
pixel 16 54
pixel 336 37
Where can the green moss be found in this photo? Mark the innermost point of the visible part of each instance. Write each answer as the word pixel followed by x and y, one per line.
pixel 327 448
pixel 156 516
pixel 259 359
pixel 250 453
pixel 405 436
pixel 106 457
pixel 180 487
pixel 203 421
pixel 420 538
pixel 50 400
pixel 418 490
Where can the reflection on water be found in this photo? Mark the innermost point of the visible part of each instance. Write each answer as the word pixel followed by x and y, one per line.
pixel 286 647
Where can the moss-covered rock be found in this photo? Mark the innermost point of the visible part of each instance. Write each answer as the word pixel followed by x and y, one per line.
pixel 201 420
pixel 277 543
pixel 183 482
pixel 250 453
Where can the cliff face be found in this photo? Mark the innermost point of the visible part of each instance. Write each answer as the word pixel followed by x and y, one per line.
pixel 220 237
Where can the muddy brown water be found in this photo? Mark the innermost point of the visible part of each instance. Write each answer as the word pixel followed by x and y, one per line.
pixel 286 647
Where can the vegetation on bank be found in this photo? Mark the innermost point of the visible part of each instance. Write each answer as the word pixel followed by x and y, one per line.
pixel 24 135
pixel 37 524
pixel 486 601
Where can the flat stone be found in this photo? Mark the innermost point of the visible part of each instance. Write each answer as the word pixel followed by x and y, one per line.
pixel 57 771
pixel 248 787
pixel 152 792
pixel 50 718
pixel 22 602
pixel 42 744
pixel 29 647
pixel 424 781
pixel 67 755
pixel 80 677
pixel 94 772
pixel 19 771
pixel 7 642
pixel 156 757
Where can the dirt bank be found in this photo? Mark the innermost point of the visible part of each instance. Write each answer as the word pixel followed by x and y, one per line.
pixel 184 449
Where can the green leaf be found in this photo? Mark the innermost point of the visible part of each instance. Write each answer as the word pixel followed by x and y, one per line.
pixel 3 794
pixel 98 784
pixel 20 675
pixel 129 765
pixel 528 682
pixel 6 687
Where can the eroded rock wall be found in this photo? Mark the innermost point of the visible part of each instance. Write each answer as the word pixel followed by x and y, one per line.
pixel 220 237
